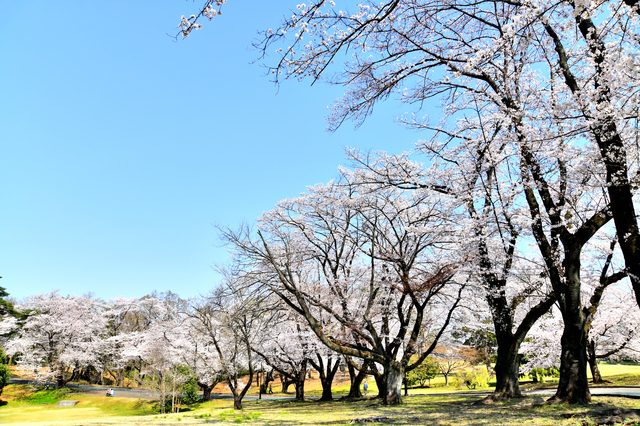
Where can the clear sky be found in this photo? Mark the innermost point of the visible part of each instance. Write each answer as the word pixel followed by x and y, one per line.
pixel 122 147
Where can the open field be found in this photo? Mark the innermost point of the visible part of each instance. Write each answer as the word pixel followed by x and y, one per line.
pixel 21 405
pixel 419 410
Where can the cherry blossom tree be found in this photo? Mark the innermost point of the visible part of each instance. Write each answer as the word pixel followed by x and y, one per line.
pixel 230 320
pixel 540 72
pixel 200 356
pixel 61 333
pixel 375 263
pixel 614 330
pixel 287 347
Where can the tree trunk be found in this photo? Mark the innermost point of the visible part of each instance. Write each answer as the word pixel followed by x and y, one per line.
pixel 267 378
pixel 356 377
pixel 286 382
pixel 406 385
pixel 326 379
pixel 299 381
pixel 381 381
pixel 507 369
pixel 237 402
pixel 593 364
pixel 446 379
pixel 327 394
pixel 299 385
pixel 574 386
pixel 394 373
pixel 61 378
pixel 206 391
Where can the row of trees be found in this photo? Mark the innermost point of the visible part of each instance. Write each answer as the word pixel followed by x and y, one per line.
pixel 520 200
pixel 535 153
pixel 355 272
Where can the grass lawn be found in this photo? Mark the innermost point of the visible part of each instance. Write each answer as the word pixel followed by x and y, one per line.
pixel 419 410
pixel 19 404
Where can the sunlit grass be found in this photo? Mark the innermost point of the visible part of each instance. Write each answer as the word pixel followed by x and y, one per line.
pixel 450 410
pixel 21 405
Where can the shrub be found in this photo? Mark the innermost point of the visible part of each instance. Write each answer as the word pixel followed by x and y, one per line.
pixel 472 378
pixel 5 374
pixel 425 371
pixel 538 374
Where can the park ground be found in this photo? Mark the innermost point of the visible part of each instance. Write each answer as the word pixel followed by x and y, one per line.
pixel 439 405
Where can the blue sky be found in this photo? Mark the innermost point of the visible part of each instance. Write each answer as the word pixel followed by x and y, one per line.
pixel 121 147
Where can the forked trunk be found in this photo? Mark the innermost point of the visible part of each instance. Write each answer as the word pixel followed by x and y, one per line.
pixel 394 373
pixel 286 382
pixel 574 385
pixel 206 392
pixel 237 402
pixel 327 382
pixel 356 377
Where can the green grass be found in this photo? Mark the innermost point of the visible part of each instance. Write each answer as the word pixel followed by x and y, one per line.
pixel 23 405
pixel 449 410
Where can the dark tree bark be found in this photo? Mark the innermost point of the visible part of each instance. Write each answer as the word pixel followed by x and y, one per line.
pixel 206 390
pixel 610 143
pixel 327 373
pixel 299 381
pixel 356 376
pixel 285 383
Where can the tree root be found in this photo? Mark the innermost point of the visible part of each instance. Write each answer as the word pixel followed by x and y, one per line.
pixel 555 400
pixel 495 397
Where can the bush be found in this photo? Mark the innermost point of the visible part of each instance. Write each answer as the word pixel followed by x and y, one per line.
pixel 538 374
pixel 425 371
pixel 472 378
pixel 5 374
pixel 191 392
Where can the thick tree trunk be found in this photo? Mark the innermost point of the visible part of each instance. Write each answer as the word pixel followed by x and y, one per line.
pixel 394 373
pixel 237 402
pixel 574 385
pixel 507 370
pixel 61 378
pixel 299 385
pixel 446 379
pixel 206 391
pixel 593 364
pixel 326 379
